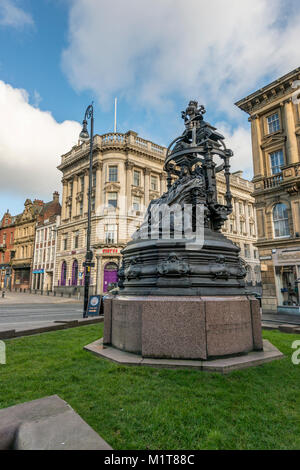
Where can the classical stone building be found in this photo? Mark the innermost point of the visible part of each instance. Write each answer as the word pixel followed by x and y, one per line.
pixel 24 243
pixel 241 224
pixel 274 112
pixel 7 252
pixel 127 174
pixel 45 245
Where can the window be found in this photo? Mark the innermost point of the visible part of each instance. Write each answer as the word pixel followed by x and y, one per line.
pixel 136 178
pixel 273 123
pixel 94 178
pixel 154 183
pixel 281 221
pixel 76 239
pixel 81 208
pixel 242 227
pixel 136 203
pixel 81 183
pixel 71 188
pixel 93 201
pixel 112 199
pixel 241 208
pixel 74 272
pixel 111 234
pixel 113 173
pixel 65 243
pixel 63 274
pixel 276 161
pixel 247 250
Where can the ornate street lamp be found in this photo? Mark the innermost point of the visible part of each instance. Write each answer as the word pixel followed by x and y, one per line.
pixel 84 136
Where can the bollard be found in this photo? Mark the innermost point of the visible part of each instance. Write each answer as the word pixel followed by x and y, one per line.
pixel 62 294
pixel 70 295
pixel 54 293
pixel 35 291
pixel 3 294
pixel 47 292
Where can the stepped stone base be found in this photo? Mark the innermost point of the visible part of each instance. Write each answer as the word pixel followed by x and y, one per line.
pixel 183 327
pixel 223 365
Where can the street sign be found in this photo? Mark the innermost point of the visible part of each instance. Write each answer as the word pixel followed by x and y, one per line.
pixel 87 263
pixel 94 305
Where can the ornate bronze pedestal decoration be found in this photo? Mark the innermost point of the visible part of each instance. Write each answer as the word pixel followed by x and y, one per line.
pixel 182 283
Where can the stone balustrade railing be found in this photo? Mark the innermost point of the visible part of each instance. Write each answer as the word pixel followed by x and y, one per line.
pixel 112 138
pixel 273 181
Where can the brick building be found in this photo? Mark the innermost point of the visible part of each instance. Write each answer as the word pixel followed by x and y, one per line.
pixel 43 267
pixel 7 229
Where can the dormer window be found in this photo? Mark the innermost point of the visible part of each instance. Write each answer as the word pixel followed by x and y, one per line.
pixel 273 123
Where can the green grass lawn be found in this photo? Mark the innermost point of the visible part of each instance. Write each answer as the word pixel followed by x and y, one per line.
pixel 145 408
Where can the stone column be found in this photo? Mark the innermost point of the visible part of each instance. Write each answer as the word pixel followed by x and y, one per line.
pixel 64 197
pixel 291 142
pixel 129 167
pixel 295 207
pixel 161 179
pixel 147 172
pixel 74 201
pixel 85 193
pixel 257 153
pixel 237 216
pixel 98 275
pixel 98 187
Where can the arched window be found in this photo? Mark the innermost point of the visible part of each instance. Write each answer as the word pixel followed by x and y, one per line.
pixel 63 274
pixel 74 272
pixel 281 221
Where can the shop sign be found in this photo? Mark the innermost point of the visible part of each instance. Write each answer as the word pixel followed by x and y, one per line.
pixel 38 271
pixel 110 251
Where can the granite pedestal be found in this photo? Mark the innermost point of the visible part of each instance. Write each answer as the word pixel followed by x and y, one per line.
pixel 183 327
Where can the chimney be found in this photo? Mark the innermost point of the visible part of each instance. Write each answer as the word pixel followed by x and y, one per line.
pixel 56 196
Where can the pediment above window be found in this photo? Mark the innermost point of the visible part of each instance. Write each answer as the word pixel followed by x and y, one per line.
pixel 272 140
pixel 112 187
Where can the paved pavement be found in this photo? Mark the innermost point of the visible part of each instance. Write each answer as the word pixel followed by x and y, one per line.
pixel 275 318
pixel 25 311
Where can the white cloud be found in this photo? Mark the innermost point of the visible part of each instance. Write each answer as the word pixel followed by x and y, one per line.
pixel 151 51
pixel 13 16
pixel 238 140
pixel 31 142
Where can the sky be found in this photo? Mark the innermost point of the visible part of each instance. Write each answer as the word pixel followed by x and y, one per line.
pixel 57 56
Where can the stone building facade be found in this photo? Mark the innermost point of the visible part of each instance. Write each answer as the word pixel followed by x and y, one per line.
pixel 24 243
pixel 43 267
pixel 7 229
pixel 127 174
pixel 274 113
pixel 241 225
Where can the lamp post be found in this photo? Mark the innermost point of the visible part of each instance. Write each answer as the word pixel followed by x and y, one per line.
pixel 84 136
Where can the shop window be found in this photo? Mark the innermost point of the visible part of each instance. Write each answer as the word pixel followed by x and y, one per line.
pixel 281 221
